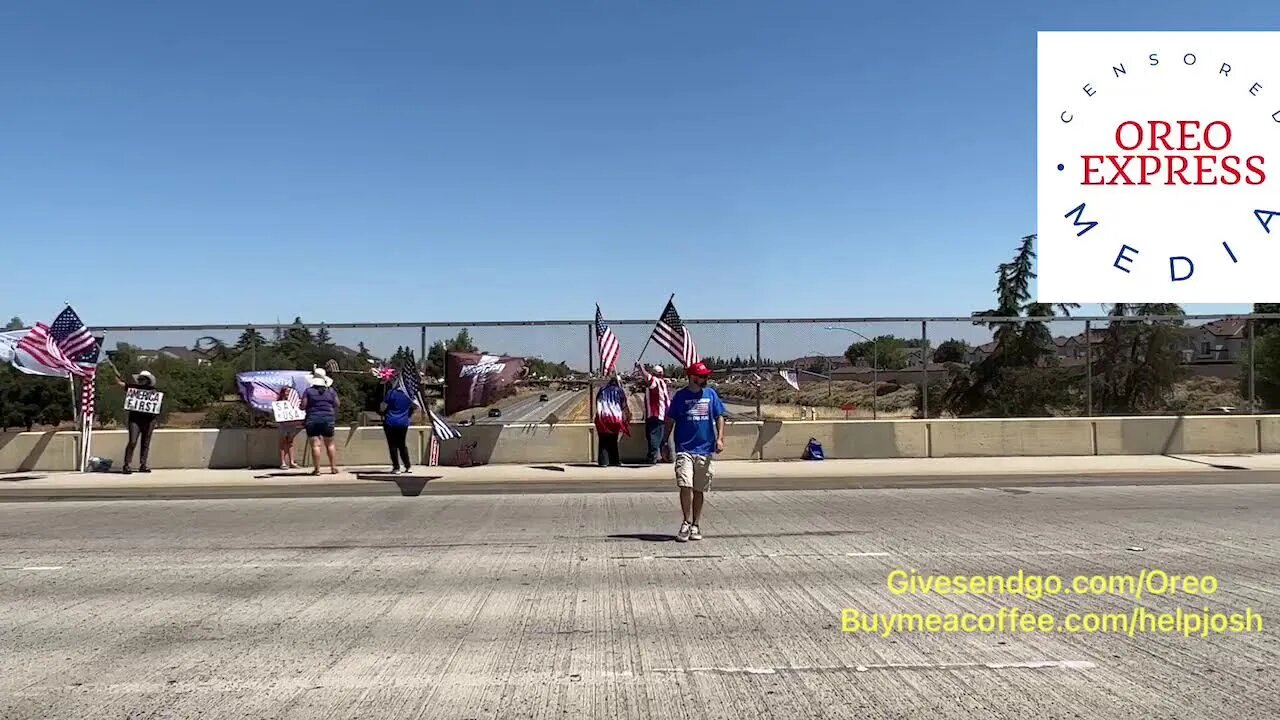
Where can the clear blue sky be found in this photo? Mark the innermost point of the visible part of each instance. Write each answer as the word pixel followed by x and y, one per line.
pixel 401 161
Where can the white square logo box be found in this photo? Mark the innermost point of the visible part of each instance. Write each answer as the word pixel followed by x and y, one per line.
pixel 1158 167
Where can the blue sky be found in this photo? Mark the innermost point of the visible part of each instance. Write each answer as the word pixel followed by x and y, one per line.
pixel 403 161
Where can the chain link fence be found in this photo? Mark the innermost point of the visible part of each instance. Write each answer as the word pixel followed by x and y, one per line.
pixel 792 369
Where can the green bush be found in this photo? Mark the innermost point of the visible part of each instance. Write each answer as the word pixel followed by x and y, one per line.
pixel 224 416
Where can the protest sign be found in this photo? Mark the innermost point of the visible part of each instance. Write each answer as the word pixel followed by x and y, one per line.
pixel 143 401
pixel 285 411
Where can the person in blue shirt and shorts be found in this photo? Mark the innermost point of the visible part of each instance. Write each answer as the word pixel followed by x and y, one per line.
pixel 696 415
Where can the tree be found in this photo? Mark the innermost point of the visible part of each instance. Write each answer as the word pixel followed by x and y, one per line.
pixel 1260 327
pixel 250 339
pixel 951 351
pixel 462 342
pixel 214 350
pixel 887 352
pixel 402 356
pixel 1019 377
pixel 15 323
pixel 1266 371
pixel 435 360
pixel 29 400
pixel 298 346
pixel 324 340
pixel 541 368
pixel 1137 364
pixel 362 355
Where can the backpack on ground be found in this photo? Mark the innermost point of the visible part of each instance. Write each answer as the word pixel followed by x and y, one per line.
pixel 813 451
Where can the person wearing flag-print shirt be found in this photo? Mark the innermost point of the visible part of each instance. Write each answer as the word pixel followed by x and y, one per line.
pixel 696 416
pixel 613 418
pixel 657 398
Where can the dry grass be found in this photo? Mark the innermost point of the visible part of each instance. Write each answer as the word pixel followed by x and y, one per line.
pixel 1205 393
pixel 893 400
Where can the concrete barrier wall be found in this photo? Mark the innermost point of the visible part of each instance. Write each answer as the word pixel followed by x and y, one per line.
pixel 576 443
pixel 46 451
pixel 1011 438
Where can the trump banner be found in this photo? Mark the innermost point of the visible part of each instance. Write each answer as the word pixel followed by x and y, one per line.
pixel 475 379
pixel 261 388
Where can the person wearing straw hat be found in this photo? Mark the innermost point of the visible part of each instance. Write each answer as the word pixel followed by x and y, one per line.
pixel 320 403
pixel 141 424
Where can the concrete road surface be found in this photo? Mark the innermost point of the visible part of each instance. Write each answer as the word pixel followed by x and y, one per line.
pixel 581 606
pixel 530 409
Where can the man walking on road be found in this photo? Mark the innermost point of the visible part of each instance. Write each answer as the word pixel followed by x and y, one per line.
pixel 657 398
pixel 696 415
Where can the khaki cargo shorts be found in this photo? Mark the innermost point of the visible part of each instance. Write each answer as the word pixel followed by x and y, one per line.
pixel 693 471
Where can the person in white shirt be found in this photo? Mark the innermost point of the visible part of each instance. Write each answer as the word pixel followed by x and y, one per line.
pixel 657 398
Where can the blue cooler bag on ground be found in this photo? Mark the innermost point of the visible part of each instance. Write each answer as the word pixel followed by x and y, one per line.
pixel 813 451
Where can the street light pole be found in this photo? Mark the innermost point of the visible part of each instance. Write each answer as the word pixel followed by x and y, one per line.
pixel 875 368
pixel 826 367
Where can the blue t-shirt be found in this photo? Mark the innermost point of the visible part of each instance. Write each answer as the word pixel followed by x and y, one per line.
pixel 694 413
pixel 399 409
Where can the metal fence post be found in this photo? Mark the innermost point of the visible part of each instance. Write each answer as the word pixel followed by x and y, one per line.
pixel 759 369
pixel 1088 368
pixel 1252 388
pixel 591 390
pixel 924 367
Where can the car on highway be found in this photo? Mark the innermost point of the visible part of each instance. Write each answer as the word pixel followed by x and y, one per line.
pixel 543 397
pixel 495 412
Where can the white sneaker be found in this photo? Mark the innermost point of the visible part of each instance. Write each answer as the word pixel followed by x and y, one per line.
pixel 685 528
pixel 694 533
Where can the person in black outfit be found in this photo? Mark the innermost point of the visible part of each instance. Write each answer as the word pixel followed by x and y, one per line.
pixel 141 425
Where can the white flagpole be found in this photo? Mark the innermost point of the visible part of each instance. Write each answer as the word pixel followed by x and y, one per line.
pixel 88 439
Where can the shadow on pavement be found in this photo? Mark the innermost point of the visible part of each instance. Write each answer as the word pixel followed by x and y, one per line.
pixel 646 537
pixel 410 485
pixel 20 478
pixel 1215 466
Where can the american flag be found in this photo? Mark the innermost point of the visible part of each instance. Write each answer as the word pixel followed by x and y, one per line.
pixel 67 345
pixel 673 336
pixel 609 347
pixel 39 344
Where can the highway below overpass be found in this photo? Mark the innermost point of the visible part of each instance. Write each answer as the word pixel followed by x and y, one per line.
pixel 530 409
pixel 552 605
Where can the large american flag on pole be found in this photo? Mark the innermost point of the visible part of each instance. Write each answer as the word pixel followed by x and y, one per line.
pixel 673 336
pixel 609 347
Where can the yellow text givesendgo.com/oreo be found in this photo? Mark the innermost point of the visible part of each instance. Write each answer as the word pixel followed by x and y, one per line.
pixel 1034 587
pixel 1012 620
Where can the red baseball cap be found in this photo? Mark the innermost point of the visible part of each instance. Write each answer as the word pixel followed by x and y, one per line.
pixel 698 369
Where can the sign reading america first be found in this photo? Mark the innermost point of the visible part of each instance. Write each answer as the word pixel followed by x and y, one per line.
pixel 1157 175
pixel 143 401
